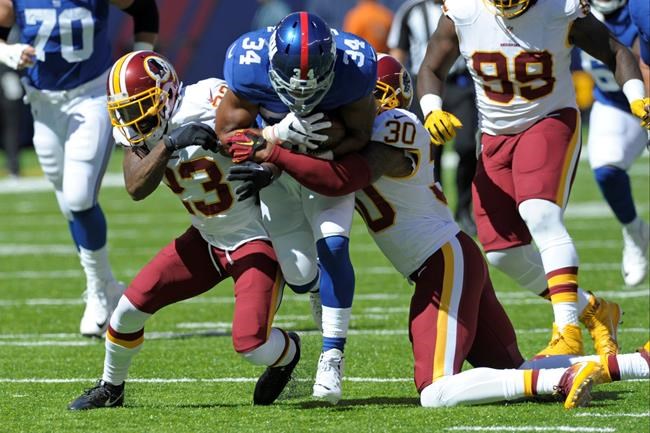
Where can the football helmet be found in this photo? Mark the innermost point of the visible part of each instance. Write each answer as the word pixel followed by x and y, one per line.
pixel 606 7
pixel 142 91
pixel 394 88
pixel 510 8
pixel 302 55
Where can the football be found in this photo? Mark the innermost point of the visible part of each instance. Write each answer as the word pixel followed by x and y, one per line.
pixel 335 133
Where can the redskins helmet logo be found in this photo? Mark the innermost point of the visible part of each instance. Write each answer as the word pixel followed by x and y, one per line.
pixel 157 69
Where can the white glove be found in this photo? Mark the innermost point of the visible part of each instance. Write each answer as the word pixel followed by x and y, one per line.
pixel 299 131
pixel 10 55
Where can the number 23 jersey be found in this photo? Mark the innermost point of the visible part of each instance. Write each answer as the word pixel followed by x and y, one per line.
pixel 520 66
pixel 407 216
pixel 70 38
pixel 198 176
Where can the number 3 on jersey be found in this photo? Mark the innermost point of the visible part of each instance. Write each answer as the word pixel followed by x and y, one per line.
pixel 66 20
pixel 533 75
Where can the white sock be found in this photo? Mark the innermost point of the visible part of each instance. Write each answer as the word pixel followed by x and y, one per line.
pixel 274 351
pixel 117 361
pixel 632 366
pixel 548 379
pixel 96 267
pixel 566 313
pixel 583 300
pixel 336 322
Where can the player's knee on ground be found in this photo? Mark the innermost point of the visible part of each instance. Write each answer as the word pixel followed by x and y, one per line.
pixel 127 318
pixel 435 394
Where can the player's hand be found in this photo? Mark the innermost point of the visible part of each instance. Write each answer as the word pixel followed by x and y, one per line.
pixel 641 109
pixel 300 131
pixel 242 144
pixel 442 126
pixel 17 56
pixel 254 177
pixel 191 134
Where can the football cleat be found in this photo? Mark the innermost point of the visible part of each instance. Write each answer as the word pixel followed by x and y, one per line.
pixel 329 376
pixel 601 318
pixel 636 237
pixel 576 383
pixel 274 379
pixel 101 395
pixel 568 341
pixel 316 309
pixel 645 351
pixel 100 303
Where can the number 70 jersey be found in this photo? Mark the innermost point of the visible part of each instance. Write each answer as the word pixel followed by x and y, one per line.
pixel 70 38
pixel 520 66
pixel 407 217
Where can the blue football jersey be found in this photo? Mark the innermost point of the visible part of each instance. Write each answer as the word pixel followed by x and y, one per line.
pixel 640 13
pixel 70 38
pixel 247 65
pixel 607 90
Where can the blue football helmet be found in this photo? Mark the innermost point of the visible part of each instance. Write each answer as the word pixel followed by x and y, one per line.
pixel 302 54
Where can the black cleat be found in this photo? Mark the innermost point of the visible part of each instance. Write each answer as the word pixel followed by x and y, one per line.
pixel 101 395
pixel 274 379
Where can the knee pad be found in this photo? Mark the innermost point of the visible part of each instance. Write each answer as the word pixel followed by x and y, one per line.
pixel 126 318
pixel 523 264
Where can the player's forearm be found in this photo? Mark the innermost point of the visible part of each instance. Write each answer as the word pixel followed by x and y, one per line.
pixel 145 23
pixel 142 175
pixel 627 66
pixel 332 178
pixel 351 143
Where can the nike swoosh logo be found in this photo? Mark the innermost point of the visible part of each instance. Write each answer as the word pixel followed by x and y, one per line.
pixel 110 402
pixel 399 116
pixel 101 324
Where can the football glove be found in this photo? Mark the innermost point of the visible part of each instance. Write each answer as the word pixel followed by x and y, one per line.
pixel 253 176
pixel 300 131
pixel 641 109
pixel 191 134
pixel 242 144
pixel 442 126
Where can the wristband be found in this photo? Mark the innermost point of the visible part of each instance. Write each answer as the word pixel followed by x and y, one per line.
pixel 429 103
pixel 633 90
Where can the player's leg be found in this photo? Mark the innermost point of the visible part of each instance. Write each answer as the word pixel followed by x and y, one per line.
pixel 181 270
pixel 615 141
pixel 331 219
pixel 88 148
pixel 258 291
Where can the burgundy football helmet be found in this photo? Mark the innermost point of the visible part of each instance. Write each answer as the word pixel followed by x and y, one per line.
pixel 394 88
pixel 142 91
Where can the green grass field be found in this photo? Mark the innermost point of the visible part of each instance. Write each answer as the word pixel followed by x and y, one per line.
pixel 188 378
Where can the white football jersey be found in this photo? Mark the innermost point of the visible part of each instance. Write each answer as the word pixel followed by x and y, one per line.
pixel 407 217
pixel 198 176
pixel 520 66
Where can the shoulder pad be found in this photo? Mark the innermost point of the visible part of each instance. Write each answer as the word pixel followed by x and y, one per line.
pixel 462 12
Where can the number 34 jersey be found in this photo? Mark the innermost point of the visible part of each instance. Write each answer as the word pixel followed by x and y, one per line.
pixel 198 176
pixel 408 216
pixel 70 38
pixel 520 66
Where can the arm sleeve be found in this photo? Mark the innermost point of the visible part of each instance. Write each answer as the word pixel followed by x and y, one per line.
pixel 145 16
pixel 332 178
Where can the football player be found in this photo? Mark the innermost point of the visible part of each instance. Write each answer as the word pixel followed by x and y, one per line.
pixel 65 53
pixel 454 313
pixel 615 140
pixel 639 11
pixel 167 131
pixel 288 76
pixel 518 52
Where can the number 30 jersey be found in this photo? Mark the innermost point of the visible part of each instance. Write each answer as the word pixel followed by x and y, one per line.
pixel 70 38
pixel 407 217
pixel 520 66
pixel 198 176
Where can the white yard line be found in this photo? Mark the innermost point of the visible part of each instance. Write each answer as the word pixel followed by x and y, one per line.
pixel 613 415
pixel 198 380
pixel 532 428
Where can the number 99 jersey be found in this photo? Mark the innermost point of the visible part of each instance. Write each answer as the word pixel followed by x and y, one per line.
pixel 408 216
pixel 70 38
pixel 246 70
pixel 520 66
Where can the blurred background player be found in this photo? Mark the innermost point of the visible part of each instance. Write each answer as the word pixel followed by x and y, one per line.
pixel 289 77
pixel 616 140
pixel 168 135
pixel 370 21
pixel 65 54
pixel 414 23
pixel 454 313
pixel 530 141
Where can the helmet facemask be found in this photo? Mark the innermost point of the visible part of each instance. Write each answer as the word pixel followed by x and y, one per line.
pixel 510 8
pixel 301 96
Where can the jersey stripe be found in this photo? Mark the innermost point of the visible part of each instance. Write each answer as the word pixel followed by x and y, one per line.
pixel 304 45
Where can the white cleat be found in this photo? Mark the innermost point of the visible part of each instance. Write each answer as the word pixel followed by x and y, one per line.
pixel 329 376
pixel 636 237
pixel 100 303
pixel 316 309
